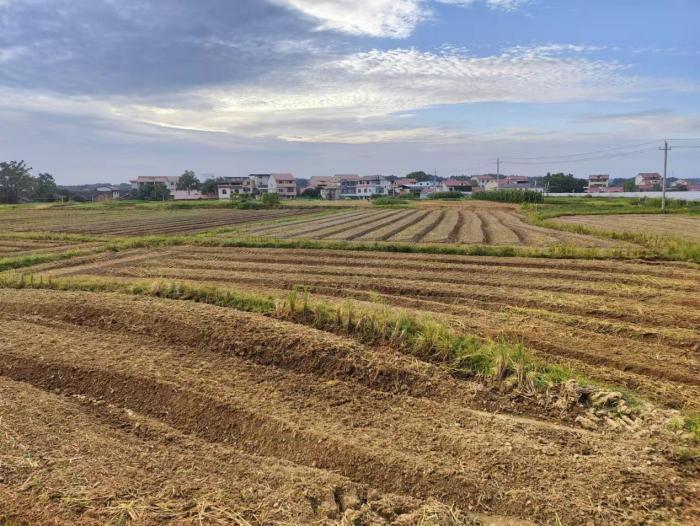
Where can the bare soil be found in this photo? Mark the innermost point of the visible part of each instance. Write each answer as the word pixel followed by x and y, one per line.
pixel 126 409
pixel 627 323
pixel 488 223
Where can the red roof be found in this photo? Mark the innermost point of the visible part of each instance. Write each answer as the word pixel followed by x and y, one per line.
pixel 456 182
pixel 282 177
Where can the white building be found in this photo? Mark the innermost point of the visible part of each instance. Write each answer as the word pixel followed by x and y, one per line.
pixel 285 185
pixel 169 181
pixel 372 185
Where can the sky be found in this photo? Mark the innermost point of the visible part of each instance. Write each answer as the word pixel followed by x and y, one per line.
pixel 107 90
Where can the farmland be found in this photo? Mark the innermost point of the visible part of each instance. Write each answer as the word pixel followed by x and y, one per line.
pixel 621 322
pixel 679 226
pixel 187 367
pixel 133 222
pixel 315 426
pixel 467 224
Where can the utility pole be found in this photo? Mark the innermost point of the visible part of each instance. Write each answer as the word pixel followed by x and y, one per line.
pixel 665 149
pixel 498 171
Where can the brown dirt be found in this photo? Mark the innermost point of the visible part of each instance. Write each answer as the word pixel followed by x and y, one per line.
pixel 484 223
pixel 634 324
pixel 125 222
pixel 113 403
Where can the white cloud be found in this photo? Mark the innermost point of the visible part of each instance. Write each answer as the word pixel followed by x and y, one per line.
pixel 505 5
pixel 379 18
pixel 363 97
pixel 349 91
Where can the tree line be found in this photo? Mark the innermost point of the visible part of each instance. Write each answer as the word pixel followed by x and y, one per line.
pixel 17 184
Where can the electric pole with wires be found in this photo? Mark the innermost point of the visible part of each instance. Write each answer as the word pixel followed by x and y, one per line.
pixel 665 149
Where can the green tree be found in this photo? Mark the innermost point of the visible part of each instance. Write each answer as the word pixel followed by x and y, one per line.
pixel 420 176
pixel 188 181
pixel 153 192
pixel 312 193
pixel 209 185
pixel 563 183
pixel 16 181
pixel 45 188
pixel 629 186
pixel 270 199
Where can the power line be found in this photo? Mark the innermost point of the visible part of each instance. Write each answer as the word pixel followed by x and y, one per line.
pixel 580 154
pixel 581 159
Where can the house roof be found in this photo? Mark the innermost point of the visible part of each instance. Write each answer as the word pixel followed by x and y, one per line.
pixel 282 177
pixel 404 180
pixel 456 182
pixel 649 175
pixel 598 177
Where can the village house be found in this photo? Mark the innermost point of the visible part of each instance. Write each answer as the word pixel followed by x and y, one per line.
pixel 509 182
pixel 648 181
pixel 285 185
pixel 456 185
pixel 598 181
pixel 169 181
pixel 481 180
pixel 322 181
pixel 372 185
pixel 348 185
pixel 94 192
pixel 260 182
pixel 233 186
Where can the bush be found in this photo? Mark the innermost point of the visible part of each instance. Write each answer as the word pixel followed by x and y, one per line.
pixel 447 195
pixel 389 201
pixel 510 196
pixel 271 200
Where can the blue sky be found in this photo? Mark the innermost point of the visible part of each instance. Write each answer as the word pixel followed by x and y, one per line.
pixel 111 89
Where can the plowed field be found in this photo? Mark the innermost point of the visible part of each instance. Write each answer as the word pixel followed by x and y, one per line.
pixel 681 226
pixel 492 224
pixel 25 247
pixel 117 409
pixel 628 323
pixel 135 222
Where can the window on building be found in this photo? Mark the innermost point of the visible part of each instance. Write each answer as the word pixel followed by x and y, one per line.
pixel 224 192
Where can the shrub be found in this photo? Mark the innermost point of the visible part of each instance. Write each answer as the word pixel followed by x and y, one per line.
pixel 510 196
pixel 271 200
pixel 447 195
pixel 389 201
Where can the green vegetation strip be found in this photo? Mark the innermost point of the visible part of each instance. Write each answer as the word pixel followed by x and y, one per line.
pixel 10 263
pixel 662 247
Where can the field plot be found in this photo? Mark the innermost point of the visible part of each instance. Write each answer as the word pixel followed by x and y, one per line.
pixel 118 409
pixel 135 222
pixel 491 225
pixel 675 225
pixel 632 324
pixel 25 247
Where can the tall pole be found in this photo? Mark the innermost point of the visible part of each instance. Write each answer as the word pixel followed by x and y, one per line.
pixel 663 182
pixel 498 171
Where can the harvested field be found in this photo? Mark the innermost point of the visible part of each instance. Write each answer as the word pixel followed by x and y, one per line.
pixel 136 222
pixel 465 224
pixel 674 225
pixel 26 247
pixel 118 409
pixel 627 323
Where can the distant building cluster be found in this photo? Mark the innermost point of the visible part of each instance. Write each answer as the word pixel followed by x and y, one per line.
pixel 283 184
pixel 354 186
pixel 643 182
